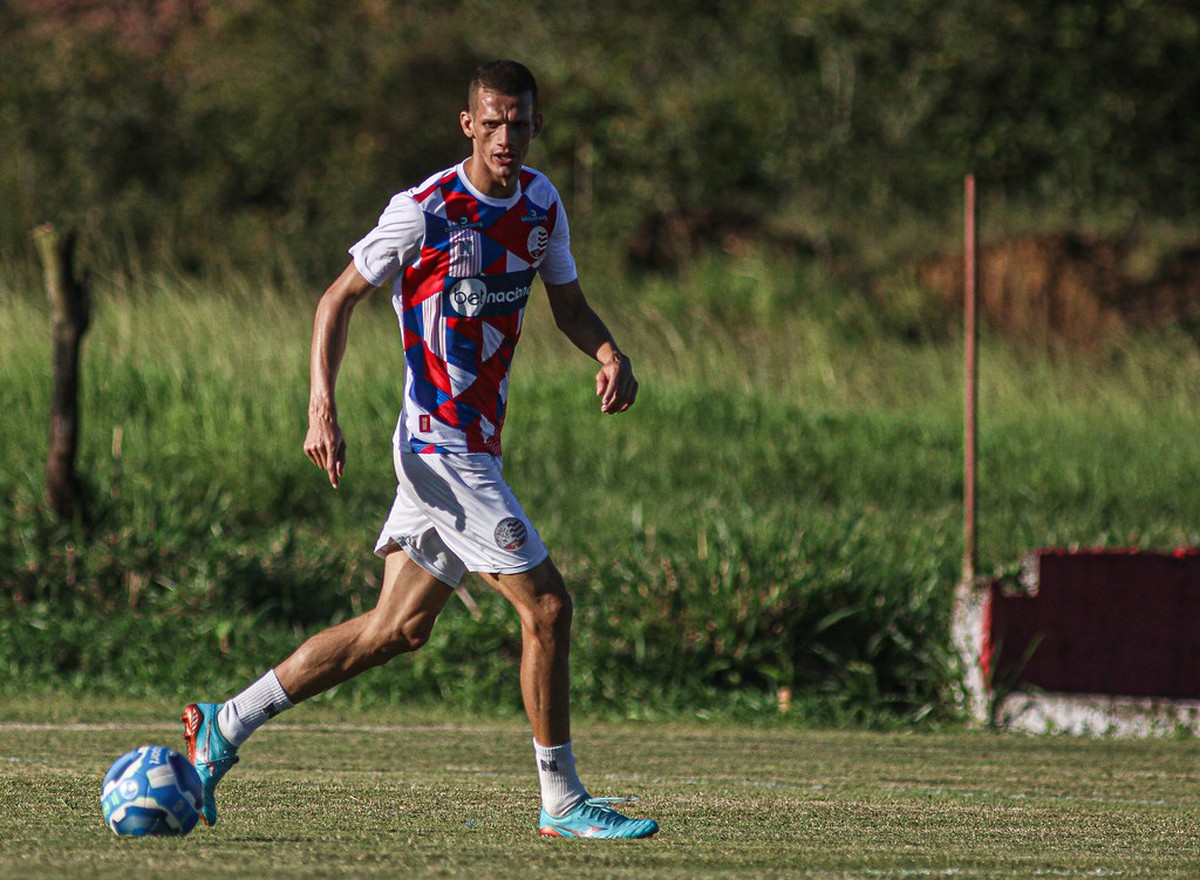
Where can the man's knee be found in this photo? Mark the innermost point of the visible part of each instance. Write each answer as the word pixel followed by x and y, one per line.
pixel 551 606
pixel 540 597
pixel 390 638
pixel 551 614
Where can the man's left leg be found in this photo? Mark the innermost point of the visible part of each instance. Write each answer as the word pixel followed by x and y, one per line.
pixel 410 601
pixel 545 609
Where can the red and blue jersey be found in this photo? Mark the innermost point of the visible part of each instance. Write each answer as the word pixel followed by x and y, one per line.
pixel 463 267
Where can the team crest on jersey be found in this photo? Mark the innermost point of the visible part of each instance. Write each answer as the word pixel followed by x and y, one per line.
pixel 511 534
pixel 537 242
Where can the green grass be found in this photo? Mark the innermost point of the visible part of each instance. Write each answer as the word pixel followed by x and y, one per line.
pixel 323 793
pixel 780 508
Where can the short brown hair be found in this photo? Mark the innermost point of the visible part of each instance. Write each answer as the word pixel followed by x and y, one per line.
pixel 509 78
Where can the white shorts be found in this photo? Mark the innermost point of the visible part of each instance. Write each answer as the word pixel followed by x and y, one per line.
pixel 454 513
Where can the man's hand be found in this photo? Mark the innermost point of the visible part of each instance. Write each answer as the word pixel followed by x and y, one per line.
pixel 326 447
pixel 615 385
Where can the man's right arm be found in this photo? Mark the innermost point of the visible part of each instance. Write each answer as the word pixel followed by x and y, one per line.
pixel 324 445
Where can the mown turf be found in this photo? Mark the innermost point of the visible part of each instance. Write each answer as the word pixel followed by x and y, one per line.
pixel 321 793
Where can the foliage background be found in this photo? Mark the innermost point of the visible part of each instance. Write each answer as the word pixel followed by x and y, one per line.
pixel 259 134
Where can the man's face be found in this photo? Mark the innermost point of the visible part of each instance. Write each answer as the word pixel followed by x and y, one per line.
pixel 501 128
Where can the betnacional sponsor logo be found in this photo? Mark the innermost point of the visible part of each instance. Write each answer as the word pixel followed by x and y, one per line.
pixel 472 297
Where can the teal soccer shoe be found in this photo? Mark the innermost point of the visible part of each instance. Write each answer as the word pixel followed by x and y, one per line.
pixel 595 818
pixel 208 750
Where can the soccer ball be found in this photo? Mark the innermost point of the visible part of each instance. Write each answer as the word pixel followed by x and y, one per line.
pixel 151 790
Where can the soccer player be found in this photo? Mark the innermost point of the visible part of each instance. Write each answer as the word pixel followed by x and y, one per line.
pixel 461 251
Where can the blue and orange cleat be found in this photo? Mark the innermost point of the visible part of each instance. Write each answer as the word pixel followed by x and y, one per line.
pixel 596 818
pixel 208 750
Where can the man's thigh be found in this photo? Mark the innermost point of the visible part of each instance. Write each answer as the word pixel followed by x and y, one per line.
pixel 527 590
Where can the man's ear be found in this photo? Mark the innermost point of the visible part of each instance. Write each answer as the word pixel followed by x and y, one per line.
pixel 538 121
pixel 467 124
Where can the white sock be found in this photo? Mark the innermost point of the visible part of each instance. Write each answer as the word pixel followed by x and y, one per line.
pixel 561 788
pixel 252 708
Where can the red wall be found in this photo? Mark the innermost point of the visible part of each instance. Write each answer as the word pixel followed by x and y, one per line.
pixel 1122 622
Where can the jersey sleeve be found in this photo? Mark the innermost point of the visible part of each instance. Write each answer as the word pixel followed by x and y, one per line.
pixel 558 266
pixel 393 243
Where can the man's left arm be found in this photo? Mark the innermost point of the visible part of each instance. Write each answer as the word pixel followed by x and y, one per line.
pixel 615 384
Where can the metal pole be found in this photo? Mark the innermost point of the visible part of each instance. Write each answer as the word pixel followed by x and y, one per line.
pixel 970 378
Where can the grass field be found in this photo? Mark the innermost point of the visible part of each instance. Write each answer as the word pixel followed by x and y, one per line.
pixel 322 793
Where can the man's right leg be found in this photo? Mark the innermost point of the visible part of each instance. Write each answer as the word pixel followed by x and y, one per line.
pixel 409 603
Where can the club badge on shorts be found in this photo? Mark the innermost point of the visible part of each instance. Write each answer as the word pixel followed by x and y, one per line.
pixel 511 534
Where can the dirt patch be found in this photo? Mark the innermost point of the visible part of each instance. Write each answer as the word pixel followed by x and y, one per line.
pixel 1081 291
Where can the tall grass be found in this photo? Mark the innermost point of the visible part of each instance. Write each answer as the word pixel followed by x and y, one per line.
pixel 780 509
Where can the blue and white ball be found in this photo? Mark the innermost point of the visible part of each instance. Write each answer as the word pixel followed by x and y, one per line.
pixel 151 790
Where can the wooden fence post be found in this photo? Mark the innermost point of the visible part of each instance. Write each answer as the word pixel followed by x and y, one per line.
pixel 70 314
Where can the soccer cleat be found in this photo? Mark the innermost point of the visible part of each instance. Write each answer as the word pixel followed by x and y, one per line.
pixel 208 750
pixel 595 817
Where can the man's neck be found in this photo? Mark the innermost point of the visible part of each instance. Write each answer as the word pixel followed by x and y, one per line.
pixel 490 186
